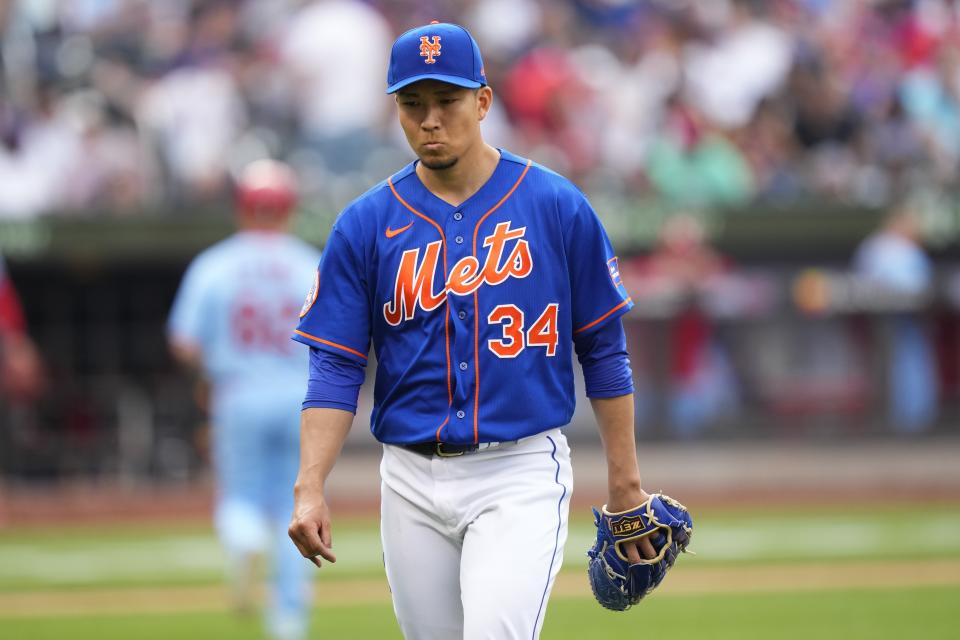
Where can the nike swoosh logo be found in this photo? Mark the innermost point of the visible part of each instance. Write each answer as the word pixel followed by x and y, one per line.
pixel 395 232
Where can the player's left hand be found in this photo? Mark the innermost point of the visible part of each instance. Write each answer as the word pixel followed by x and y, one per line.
pixel 617 581
pixel 637 550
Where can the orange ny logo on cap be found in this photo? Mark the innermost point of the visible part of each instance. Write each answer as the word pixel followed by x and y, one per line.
pixel 429 48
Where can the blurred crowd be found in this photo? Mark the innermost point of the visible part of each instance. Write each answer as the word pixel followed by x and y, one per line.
pixel 127 105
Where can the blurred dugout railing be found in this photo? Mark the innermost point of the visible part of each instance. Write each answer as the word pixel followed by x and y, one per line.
pixel 804 351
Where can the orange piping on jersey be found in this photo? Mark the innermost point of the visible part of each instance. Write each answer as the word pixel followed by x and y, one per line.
pixel 476 313
pixel 332 344
pixel 604 316
pixel 446 319
pixel 476 367
pixel 446 336
pixel 445 421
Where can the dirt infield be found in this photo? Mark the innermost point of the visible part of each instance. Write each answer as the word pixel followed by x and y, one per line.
pixel 744 473
pixel 696 581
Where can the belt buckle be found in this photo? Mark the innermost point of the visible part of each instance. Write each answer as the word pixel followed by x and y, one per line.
pixel 441 453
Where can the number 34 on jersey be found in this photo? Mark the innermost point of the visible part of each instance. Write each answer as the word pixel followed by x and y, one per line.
pixel 508 257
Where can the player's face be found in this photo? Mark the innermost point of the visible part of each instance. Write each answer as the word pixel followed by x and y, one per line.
pixel 442 121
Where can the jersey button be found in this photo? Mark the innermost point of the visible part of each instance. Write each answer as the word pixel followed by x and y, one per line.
pixel 459 239
pixel 461 314
pixel 458 216
pixel 463 366
pixel 461 413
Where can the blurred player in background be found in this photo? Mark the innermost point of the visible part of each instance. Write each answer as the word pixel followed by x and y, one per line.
pixel 893 257
pixel 231 322
pixel 21 373
pixel 680 275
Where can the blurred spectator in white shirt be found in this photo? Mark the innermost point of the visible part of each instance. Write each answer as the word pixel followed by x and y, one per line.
pixel 194 114
pixel 111 171
pixel 504 38
pixel 38 152
pixel 337 52
pixel 747 60
pixel 632 84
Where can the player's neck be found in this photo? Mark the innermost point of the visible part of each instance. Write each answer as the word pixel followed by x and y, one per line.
pixel 456 184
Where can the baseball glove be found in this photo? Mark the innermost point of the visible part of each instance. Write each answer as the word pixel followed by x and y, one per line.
pixel 616 583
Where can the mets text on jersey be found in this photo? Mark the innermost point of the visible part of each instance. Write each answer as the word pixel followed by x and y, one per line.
pixel 414 285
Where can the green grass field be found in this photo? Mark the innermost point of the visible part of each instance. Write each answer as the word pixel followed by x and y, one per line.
pixel 862 614
pixel 832 573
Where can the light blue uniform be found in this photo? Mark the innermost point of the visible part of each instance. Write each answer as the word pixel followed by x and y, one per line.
pixel 238 302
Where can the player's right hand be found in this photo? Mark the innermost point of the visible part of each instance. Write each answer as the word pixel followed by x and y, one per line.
pixel 310 526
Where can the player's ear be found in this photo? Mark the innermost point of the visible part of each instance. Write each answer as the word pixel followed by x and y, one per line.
pixel 484 100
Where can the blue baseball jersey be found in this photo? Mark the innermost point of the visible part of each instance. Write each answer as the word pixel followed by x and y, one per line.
pixel 238 302
pixel 472 309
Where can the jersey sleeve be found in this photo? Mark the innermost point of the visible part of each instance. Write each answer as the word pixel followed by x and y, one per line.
pixel 606 364
pixel 597 291
pixel 188 316
pixel 334 381
pixel 336 314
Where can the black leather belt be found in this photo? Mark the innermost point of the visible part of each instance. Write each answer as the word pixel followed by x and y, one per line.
pixel 449 450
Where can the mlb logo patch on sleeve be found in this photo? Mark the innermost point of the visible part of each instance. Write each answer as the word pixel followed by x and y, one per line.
pixel 613 264
pixel 311 295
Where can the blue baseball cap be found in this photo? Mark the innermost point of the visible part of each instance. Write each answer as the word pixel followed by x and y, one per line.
pixel 437 51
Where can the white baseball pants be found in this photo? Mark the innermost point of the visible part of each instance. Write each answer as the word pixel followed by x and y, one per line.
pixel 472 544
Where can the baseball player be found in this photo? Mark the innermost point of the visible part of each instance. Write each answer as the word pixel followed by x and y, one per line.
pixel 476 274
pixel 231 320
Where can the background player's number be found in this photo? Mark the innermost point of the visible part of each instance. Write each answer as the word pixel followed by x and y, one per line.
pixel 542 333
pixel 263 327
